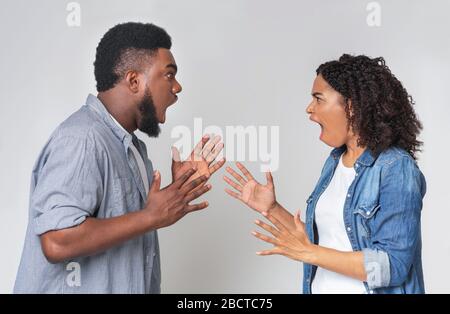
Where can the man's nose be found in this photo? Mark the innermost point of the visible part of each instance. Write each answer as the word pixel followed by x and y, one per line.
pixel 177 88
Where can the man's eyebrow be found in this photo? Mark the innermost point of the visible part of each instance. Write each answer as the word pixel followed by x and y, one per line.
pixel 315 94
pixel 173 66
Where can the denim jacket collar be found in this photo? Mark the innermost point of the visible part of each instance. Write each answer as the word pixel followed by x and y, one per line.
pixel 367 158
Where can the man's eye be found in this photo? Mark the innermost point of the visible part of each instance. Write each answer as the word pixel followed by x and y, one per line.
pixel 170 75
pixel 318 99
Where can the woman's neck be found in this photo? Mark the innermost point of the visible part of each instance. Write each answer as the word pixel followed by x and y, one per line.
pixel 352 153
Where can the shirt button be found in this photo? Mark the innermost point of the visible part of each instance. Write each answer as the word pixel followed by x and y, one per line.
pixel 367 213
pixel 371 291
pixel 348 195
pixel 349 229
pixel 356 175
pixel 154 254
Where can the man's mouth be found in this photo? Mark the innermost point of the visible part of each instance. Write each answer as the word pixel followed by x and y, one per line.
pixel 174 100
pixel 170 104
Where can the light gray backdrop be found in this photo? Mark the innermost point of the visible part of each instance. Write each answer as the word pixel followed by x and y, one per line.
pixel 240 63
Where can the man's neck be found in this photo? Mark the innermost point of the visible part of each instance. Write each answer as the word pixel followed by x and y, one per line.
pixel 116 104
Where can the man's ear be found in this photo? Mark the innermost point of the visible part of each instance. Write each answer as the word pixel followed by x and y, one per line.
pixel 132 81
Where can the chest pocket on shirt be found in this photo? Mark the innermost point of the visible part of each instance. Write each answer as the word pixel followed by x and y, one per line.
pixel 125 196
pixel 364 214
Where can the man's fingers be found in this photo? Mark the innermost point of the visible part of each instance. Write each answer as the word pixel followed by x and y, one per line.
pixel 184 177
pixel 236 175
pixel 196 194
pixel 232 183
pixel 210 146
pixel 193 184
pixel 196 154
pixel 214 153
pixel 175 155
pixel 216 166
pixel 156 184
pixel 267 227
pixel 195 207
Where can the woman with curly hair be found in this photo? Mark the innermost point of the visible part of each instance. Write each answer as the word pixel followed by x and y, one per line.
pixel 362 229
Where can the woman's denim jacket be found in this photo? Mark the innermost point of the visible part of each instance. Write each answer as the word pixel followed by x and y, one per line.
pixel 382 219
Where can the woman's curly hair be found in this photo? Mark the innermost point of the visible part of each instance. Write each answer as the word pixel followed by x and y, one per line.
pixel 381 111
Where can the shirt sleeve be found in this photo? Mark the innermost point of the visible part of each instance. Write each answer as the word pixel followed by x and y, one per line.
pixel 69 185
pixel 396 228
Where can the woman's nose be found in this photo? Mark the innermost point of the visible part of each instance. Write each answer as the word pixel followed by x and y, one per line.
pixel 309 109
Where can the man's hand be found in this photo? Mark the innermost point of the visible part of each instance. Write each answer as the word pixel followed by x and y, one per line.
pixel 164 207
pixel 201 159
pixel 168 205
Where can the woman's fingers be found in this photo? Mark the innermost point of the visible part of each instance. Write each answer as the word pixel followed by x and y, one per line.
pixel 273 251
pixel 265 238
pixel 233 194
pixel 298 222
pixel 275 221
pixel 244 170
pixel 267 227
pixel 233 184
pixel 236 176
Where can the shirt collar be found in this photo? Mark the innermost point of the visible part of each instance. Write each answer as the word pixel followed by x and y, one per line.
pixel 95 104
pixel 367 158
pixel 134 138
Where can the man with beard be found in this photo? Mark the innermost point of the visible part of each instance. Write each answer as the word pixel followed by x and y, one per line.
pixel 95 201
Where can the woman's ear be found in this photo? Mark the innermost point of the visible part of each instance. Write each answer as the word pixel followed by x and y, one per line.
pixel 348 103
pixel 349 110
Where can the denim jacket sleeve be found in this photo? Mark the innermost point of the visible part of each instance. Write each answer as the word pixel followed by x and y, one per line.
pixel 396 228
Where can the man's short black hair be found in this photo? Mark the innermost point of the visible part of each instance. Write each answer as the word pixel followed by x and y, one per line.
pixel 125 47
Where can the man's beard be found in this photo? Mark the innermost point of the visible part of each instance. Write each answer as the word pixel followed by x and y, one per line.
pixel 149 122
